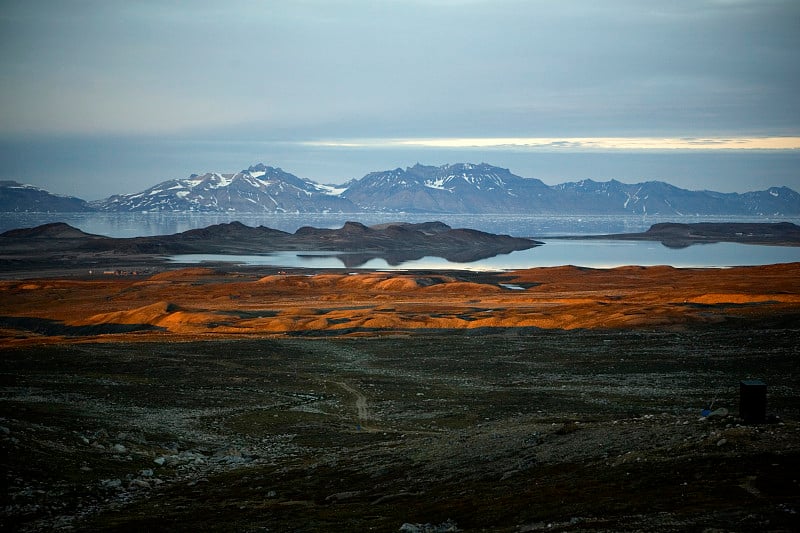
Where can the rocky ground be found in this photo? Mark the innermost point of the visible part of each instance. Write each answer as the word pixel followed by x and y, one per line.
pixel 560 399
pixel 519 429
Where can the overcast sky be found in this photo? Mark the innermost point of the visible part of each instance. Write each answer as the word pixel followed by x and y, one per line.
pixel 103 96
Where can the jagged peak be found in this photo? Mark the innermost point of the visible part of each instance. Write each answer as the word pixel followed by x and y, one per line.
pixel 419 167
pixel 259 167
pixel 459 167
pixel 472 166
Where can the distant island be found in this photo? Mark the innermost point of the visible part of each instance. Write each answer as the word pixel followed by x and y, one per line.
pixel 461 188
pixel 675 235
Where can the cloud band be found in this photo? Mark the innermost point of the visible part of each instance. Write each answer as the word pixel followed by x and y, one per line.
pixel 575 143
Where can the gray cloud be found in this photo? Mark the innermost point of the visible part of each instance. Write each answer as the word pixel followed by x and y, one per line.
pixel 421 67
pixel 157 77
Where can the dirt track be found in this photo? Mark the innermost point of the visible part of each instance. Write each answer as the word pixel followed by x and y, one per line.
pixel 360 403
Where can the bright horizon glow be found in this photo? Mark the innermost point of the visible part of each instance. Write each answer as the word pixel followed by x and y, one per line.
pixel 575 143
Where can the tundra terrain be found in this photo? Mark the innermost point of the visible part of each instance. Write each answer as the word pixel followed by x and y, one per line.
pixel 560 399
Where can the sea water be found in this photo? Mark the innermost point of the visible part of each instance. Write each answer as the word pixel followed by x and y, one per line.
pixel 555 252
pixel 160 223
pixel 590 253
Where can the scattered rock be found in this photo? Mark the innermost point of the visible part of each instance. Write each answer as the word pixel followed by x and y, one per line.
pixel 111 483
pixel 340 496
pixel 444 527
pixel 509 474
pixel 231 455
pixel 137 483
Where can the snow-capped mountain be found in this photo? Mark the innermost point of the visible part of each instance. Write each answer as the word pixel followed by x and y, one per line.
pixel 459 188
pixel 773 201
pixel 16 197
pixel 258 189
pixel 656 197
pixel 466 188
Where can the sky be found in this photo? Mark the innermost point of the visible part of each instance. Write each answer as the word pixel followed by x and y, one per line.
pixel 112 96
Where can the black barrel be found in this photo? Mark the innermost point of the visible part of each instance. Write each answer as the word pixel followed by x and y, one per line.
pixel 753 401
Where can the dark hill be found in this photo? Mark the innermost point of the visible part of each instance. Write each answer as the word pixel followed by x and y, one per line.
pixel 675 235
pixel 396 242
pixel 55 230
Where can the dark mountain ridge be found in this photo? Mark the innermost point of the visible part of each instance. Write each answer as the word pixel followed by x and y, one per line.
pixel 16 197
pixel 396 242
pixel 54 230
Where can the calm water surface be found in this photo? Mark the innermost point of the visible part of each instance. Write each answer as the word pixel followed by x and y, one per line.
pixel 145 224
pixel 555 252
pixel 546 228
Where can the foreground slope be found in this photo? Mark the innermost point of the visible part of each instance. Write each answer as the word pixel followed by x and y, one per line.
pixel 546 431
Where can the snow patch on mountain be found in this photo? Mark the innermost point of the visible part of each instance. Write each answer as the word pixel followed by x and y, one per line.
pixel 257 189
pixel 454 188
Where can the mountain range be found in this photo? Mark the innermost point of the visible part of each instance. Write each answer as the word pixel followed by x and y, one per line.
pixel 457 188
